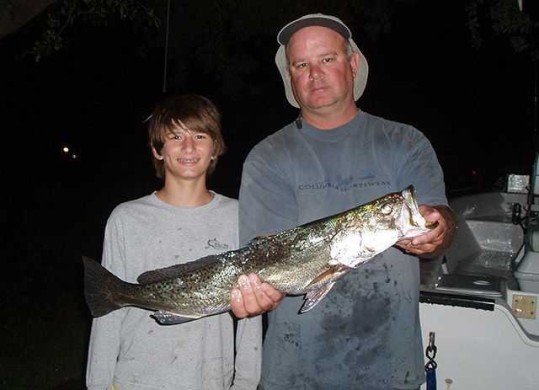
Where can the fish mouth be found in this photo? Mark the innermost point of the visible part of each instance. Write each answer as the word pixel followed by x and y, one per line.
pixel 413 222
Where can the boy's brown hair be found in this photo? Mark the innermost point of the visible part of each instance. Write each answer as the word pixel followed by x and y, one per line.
pixel 195 112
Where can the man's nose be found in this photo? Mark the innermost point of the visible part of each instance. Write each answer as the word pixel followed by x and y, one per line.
pixel 315 72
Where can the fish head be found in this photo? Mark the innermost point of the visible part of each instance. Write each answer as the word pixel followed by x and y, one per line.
pixel 410 222
pixel 399 212
pixel 393 216
pixel 374 227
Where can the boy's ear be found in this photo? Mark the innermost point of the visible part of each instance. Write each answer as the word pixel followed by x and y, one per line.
pixel 156 154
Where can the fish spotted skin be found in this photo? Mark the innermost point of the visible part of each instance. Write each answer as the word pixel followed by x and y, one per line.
pixel 307 259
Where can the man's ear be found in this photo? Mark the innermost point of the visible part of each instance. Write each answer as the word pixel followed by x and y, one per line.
pixel 156 154
pixel 354 64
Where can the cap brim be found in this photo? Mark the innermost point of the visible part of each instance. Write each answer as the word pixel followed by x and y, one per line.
pixel 324 21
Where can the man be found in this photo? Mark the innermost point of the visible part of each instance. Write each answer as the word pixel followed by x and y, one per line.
pixel 366 333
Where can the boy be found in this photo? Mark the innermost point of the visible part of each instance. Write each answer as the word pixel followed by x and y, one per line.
pixel 180 222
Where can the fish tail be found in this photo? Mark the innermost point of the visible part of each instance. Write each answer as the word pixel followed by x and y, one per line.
pixel 100 286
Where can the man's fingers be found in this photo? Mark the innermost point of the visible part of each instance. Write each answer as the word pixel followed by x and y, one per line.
pixel 247 289
pixel 253 297
pixel 264 295
pixel 252 300
pixel 274 295
pixel 237 305
pixel 404 244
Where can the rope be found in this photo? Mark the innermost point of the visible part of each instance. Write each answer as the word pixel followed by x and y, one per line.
pixel 166 49
pixel 430 367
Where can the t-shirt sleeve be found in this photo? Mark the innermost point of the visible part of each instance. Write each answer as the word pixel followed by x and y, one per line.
pixel 104 341
pixel 267 204
pixel 248 354
pixel 416 163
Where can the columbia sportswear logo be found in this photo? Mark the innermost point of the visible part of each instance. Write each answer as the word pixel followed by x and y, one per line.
pixel 347 184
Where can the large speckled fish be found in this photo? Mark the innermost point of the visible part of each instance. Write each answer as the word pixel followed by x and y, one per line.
pixel 308 260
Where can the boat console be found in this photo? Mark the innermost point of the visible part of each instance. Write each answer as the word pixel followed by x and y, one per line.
pixel 480 299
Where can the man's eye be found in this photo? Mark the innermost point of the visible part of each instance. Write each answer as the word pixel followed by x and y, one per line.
pixel 327 60
pixel 301 65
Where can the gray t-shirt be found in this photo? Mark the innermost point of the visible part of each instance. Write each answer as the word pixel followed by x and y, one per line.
pixel 365 334
pixel 130 349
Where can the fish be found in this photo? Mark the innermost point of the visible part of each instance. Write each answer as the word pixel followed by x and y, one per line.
pixel 308 259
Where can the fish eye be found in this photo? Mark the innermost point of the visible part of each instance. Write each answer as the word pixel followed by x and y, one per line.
pixel 386 208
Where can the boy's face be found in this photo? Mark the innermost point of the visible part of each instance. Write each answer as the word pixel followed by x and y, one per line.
pixel 186 154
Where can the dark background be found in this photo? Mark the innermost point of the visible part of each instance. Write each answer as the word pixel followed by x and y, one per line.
pixel 475 105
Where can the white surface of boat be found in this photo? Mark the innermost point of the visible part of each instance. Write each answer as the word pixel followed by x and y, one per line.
pixel 480 303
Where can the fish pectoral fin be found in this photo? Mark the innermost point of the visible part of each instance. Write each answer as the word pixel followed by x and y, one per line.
pixel 313 297
pixel 168 318
pixel 330 275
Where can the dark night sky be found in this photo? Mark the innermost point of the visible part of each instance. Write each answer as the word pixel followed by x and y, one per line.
pixel 474 105
pixel 93 95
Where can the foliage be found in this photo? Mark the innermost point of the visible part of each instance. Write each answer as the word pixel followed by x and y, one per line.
pixel 6 5
pixel 502 19
pixel 486 19
pixel 67 14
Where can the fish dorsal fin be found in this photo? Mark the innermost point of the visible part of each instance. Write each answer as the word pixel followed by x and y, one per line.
pixel 255 240
pixel 314 296
pixel 262 238
pixel 174 271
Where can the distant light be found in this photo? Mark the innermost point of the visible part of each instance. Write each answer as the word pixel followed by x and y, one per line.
pixel 74 156
pixel 65 149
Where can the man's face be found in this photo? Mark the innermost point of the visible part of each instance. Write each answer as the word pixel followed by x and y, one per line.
pixel 322 76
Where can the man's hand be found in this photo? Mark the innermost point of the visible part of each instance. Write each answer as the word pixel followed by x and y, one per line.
pixel 436 241
pixel 254 297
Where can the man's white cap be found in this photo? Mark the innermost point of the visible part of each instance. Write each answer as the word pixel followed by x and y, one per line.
pixel 360 80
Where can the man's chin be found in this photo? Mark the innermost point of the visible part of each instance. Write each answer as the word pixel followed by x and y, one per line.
pixel 320 104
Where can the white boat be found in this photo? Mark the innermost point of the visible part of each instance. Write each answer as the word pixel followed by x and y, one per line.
pixel 479 303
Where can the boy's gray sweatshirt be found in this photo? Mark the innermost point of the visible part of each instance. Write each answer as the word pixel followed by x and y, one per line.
pixel 128 348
